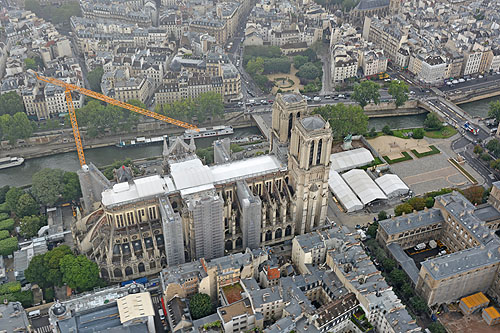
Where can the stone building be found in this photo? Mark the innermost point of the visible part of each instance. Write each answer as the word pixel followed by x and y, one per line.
pixel 467 231
pixel 221 209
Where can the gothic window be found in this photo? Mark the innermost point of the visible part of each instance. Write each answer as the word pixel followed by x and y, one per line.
pixel 288 231
pixel 269 235
pixel 278 233
pixel 141 267
pixel 128 271
pixel 117 273
pixel 318 156
pixel 311 154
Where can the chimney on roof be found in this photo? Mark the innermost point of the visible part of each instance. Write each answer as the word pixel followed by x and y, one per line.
pixel 414 211
pixel 426 209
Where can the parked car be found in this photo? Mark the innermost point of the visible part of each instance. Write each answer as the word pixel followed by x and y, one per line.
pixel 419 247
pixel 327 97
pixel 317 99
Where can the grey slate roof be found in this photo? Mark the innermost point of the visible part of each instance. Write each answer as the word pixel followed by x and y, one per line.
pixel 13 317
pixel 411 221
pixel 372 4
pixel 313 123
pixel 463 261
pixel 407 263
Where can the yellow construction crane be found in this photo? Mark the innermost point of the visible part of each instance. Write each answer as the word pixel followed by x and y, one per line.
pixel 68 88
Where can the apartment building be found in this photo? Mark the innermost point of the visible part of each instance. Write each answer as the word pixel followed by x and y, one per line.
pixel 188 85
pixel 432 69
pixel 387 35
pixel 344 64
pixel 373 62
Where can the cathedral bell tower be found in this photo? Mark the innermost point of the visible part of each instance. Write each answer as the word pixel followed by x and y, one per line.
pixel 286 109
pixel 309 168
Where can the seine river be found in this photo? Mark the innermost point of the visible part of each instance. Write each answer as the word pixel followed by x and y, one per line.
pixel 19 176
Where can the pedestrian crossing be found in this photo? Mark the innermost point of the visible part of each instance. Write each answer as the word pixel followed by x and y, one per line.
pixel 156 299
pixel 43 329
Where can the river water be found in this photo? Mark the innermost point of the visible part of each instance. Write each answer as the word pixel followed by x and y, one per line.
pixel 479 108
pixel 19 176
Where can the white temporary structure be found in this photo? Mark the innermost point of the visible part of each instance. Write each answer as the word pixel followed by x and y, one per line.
pixel 392 185
pixel 343 192
pixel 350 159
pixel 364 187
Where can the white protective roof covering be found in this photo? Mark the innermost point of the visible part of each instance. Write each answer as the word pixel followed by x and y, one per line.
pixel 343 192
pixel 392 185
pixel 242 169
pixel 139 188
pixel 364 187
pixel 350 159
pixel 190 173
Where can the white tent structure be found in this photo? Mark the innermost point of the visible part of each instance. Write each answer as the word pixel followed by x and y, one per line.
pixel 364 187
pixel 392 185
pixel 343 192
pixel 350 159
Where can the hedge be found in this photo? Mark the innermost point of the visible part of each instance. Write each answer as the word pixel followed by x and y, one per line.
pixel 7 224
pixel 4 216
pixel 10 287
pixel 8 246
pixel 4 234
pixel 433 151
pixel 406 157
pixel 464 172
pixel 4 208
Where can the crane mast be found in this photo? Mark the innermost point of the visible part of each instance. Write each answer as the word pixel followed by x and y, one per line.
pixel 68 88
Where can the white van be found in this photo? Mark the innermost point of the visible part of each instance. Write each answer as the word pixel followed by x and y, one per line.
pixel 34 314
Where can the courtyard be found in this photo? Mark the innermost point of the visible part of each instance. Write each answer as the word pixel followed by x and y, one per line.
pixel 422 175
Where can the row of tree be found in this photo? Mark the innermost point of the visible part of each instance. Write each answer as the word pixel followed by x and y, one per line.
pixel 368 92
pixel 61 266
pixel 15 127
pixel 206 105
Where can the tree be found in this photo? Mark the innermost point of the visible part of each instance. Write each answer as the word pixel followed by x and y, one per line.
pixel 71 189
pixel 200 305
pixel 494 110
pixel 8 246
pixel 26 205
pixel 344 119
pixel 15 127
pixel 418 133
pixel 388 264
pixel 372 230
pixel 366 92
pixel 397 277
pixel 79 272
pixel 474 194
pixel 209 104
pixel 399 91
pixel 48 186
pixel 12 197
pixel 30 64
pixel 478 150
pixel 11 103
pixel 309 71
pixel 52 261
pixel 494 147
pixel 387 130
pixel 429 202
pixel 94 77
pixel 382 215
pixel 373 133
pixel 417 203
pixel 255 66
pixel 418 304
pixel 37 271
pixel 299 61
pixel 30 225
pixel 407 290
pixel 432 122
pixel 436 328
pixel 403 208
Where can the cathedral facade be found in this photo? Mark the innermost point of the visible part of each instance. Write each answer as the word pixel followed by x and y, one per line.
pixel 197 211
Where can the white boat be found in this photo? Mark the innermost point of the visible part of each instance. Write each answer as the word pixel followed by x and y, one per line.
pixel 208 132
pixel 8 162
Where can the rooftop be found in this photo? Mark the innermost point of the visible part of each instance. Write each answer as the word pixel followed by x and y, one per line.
pixel 135 306
pixel 313 123
pixel 411 221
pixel 228 312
